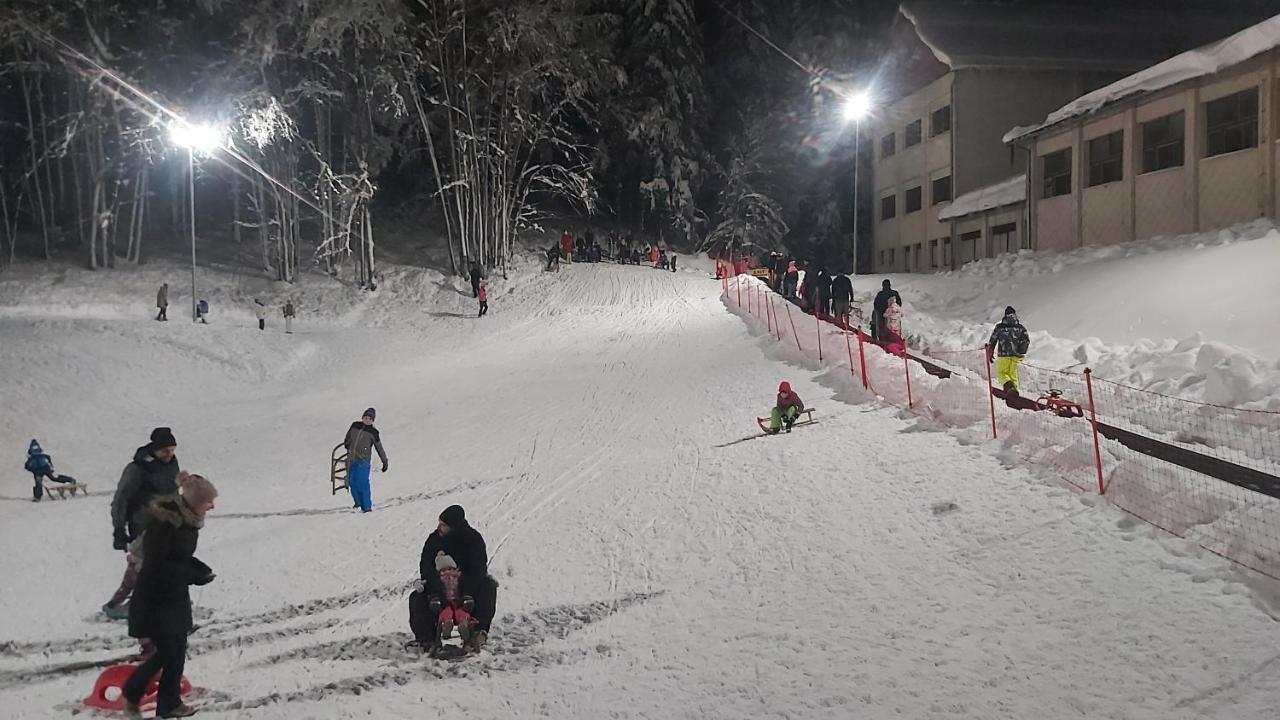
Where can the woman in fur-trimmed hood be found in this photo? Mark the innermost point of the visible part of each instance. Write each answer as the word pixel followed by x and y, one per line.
pixel 161 604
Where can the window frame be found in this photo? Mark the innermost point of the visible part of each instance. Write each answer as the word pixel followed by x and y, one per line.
pixel 1003 231
pixel 933 190
pixel 892 199
pixel 1110 168
pixel 933 121
pixel 889 141
pixel 1246 125
pixel 1154 149
pixel 906 199
pixel 1049 184
pixel 918 125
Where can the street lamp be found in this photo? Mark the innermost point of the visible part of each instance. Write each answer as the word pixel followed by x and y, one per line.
pixel 195 138
pixel 856 107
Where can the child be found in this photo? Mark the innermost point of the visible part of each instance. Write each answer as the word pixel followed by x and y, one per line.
pixel 790 279
pixel 260 311
pixel 482 292
pixel 662 260
pixel 289 313
pixel 40 465
pixel 1009 342
pixel 454 611
pixel 202 311
pixel 673 262
pixel 893 341
pixel 786 410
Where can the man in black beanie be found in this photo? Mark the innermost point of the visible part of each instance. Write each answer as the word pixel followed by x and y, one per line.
pixel 454 537
pixel 152 473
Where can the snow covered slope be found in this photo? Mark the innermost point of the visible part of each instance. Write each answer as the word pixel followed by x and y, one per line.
pixel 651 566
pixel 1197 316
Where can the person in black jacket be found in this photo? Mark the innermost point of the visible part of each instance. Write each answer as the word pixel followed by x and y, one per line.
pixel 161 608
pixel 152 473
pixel 476 275
pixel 880 305
pixel 455 537
pixel 841 298
pixel 822 293
pixel 1009 343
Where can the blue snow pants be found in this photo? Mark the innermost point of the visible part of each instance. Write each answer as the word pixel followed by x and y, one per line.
pixel 358 482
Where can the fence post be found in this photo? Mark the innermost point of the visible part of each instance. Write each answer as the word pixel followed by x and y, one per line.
pixel 793 328
pixel 848 345
pixel 906 366
pixel 768 314
pixel 1093 422
pixel 737 279
pixel 777 324
pixel 862 361
pixel 818 322
pixel 991 398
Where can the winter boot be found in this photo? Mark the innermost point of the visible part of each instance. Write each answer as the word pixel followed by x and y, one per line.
pixel 446 623
pixel 183 710
pixel 1011 389
pixel 477 642
pixel 132 711
pixel 116 612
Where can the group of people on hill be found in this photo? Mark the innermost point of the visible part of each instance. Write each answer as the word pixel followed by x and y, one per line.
pixel 258 307
pixel 624 249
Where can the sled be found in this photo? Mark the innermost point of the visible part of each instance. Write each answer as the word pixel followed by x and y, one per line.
pixel 108 689
pixel 63 489
pixel 807 414
pixel 338 468
pixel 1053 401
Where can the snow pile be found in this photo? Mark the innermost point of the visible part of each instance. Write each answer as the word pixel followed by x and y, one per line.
pixel 1189 65
pixel 1005 192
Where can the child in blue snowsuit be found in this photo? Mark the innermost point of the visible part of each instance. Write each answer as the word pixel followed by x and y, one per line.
pixel 40 465
pixel 362 439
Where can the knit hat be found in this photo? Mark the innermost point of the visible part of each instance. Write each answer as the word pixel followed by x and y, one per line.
pixel 454 516
pixel 162 437
pixel 34 447
pixel 784 387
pixel 1008 310
pixel 196 489
pixel 444 562
pixel 371 414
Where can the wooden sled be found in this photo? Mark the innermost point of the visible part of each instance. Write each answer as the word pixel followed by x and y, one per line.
pixel 62 490
pixel 338 468
pixel 807 414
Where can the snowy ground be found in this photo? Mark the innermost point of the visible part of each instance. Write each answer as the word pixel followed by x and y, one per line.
pixel 649 569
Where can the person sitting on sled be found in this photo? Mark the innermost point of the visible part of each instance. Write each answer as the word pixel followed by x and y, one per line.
pixel 455 610
pixel 40 465
pixel 1009 342
pixel 786 411
pixel 477 590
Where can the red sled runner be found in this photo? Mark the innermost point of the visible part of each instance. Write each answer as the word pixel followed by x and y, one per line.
pixel 1052 400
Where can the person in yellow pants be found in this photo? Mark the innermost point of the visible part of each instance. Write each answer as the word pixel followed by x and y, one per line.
pixel 1009 343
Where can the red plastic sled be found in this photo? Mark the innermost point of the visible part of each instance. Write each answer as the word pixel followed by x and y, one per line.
pixel 108 689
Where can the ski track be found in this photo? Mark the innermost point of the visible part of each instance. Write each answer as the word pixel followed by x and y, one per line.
pixel 595 426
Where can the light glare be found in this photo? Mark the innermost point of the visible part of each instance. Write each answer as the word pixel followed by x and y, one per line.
pixel 857 106
pixel 200 138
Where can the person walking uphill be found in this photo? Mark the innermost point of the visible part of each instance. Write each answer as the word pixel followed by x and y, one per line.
pixel 161 607
pixel 841 298
pixel 879 306
pixel 454 537
pixel 482 293
pixel 162 302
pixel 152 473
pixel 362 439
pixel 260 311
pixel 289 314
pixel 1010 342
pixel 476 276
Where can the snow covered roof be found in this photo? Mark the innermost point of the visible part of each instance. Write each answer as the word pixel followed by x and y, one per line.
pixel 996 35
pixel 1005 192
pixel 1189 65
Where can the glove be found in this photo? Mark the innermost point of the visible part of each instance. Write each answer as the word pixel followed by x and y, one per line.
pixel 204 580
pixel 384 466
pixel 468 603
pixel 119 540
pixel 434 603
pixel 419 586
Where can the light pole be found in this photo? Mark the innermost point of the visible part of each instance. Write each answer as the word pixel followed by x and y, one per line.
pixel 204 139
pixel 856 107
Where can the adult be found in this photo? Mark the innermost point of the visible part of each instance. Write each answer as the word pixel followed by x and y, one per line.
pixel 553 258
pixel 162 302
pixel 1010 343
pixel 455 537
pixel 476 276
pixel 822 293
pixel 362 439
pixel 566 246
pixel 580 252
pixel 881 304
pixel 289 314
pixel 790 279
pixel 260 312
pixel 152 473
pixel 161 607
pixel 841 298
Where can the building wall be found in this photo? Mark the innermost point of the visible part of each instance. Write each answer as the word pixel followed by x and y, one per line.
pixel 1202 194
pixel 906 168
pixel 987 104
pixel 983 224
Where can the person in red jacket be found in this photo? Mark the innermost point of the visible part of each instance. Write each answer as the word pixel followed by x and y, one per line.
pixel 786 410
pixel 482 293
pixel 566 246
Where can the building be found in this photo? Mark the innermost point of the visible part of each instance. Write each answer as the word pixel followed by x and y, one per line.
pixel 964 74
pixel 1186 145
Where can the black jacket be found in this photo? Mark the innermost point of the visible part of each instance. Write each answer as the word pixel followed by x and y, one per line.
pixel 882 300
pixel 161 603
pixel 476 275
pixel 142 481
pixel 1010 338
pixel 841 288
pixel 466 546
pixel 822 285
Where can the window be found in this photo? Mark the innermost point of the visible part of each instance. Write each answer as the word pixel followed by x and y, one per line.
pixel 940 121
pixel 1162 142
pixel 912 135
pixel 912 200
pixel 881 258
pixel 969 246
pixel 1004 238
pixel 888 207
pixel 891 257
pixel 933 253
pixel 1056 170
pixel 888 145
pixel 1231 123
pixel 915 261
pixel 946 252
pixel 941 190
pixel 1106 159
